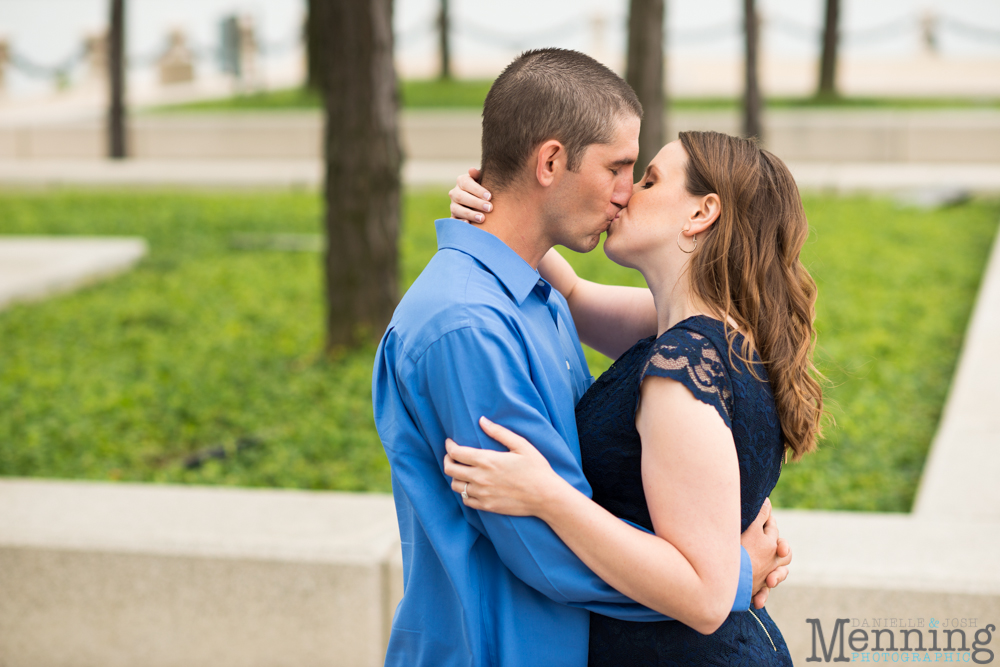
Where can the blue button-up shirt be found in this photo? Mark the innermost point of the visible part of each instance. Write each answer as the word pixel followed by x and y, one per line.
pixel 480 333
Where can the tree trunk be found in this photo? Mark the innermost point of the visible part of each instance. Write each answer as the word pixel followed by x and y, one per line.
pixel 116 81
pixel 751 94
pixel 444 45
pixel 314 48
pixel 828 61
pixel 644 72
pixel 362 167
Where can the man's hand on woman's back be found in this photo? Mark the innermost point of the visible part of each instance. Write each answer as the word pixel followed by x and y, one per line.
pixel 769 554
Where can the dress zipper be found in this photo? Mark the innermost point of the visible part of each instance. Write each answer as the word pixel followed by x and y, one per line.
pixel 764 629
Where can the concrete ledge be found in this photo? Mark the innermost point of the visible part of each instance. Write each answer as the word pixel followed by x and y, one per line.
pixel 949 136
pixel 33 267
pixel 131 574
pixel 127 574
pixel 963 468
pixel 792 603
pixel 870 550
pixel 887 566
pixel 904 177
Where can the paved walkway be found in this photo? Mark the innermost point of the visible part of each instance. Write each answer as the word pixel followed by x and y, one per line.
pixel 841 177
pixel 36 267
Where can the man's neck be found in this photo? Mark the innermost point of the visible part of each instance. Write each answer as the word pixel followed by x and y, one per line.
pixel 518 222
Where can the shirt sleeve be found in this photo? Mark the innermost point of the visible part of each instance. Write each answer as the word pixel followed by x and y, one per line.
pixel 473 372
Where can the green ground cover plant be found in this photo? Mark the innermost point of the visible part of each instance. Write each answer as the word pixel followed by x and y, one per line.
pixel 203 364
pixel 414 94
pixel 470 93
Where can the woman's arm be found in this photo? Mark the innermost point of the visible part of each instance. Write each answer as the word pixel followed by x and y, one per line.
pixel 689 570
pixel 609 318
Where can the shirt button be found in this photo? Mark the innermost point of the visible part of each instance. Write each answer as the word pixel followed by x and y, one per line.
pixel 567 365
pixel 541 283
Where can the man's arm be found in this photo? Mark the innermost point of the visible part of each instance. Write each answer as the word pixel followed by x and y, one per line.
pixel 474 372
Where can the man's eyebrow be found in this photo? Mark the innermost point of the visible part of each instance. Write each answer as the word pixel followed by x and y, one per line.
pixel 624 162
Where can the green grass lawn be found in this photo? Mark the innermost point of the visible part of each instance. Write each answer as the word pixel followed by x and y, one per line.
pixel 414 94
pixel 211 352
pixel 470 93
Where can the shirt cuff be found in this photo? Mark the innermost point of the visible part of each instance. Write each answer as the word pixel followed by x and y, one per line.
pixel 744 591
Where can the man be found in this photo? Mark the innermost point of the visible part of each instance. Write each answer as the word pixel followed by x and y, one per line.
pixel 479 333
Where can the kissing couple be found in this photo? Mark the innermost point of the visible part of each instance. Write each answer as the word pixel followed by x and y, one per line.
pixel 550 519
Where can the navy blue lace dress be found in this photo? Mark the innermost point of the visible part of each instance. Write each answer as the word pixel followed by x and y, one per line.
pixel 695 353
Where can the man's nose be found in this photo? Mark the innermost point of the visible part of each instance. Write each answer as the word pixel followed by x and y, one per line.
pixel 623 192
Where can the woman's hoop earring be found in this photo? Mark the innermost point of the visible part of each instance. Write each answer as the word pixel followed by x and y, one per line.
pixel 687 252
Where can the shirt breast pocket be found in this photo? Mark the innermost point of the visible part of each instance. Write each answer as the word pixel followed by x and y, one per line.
pixel 581 383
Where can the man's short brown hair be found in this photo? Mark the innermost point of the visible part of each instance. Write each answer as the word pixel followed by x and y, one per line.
pixel 550 94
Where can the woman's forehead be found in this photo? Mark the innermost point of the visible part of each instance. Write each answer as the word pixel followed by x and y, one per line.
pixel 670 157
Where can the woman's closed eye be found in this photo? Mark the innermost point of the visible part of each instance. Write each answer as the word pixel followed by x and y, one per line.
pixel 647 185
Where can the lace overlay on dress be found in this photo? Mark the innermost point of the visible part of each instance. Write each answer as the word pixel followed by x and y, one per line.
pixel 692 360
pixel 694 353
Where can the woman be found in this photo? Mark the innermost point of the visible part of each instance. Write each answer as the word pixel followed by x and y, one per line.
pixel 685 434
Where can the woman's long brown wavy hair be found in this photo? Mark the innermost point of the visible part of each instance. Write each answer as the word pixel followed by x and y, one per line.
pixel 747 266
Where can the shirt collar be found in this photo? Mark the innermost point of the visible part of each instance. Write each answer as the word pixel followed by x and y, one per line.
pixel 509 268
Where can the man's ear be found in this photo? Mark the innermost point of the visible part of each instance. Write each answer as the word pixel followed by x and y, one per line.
pixel 550 162
pixel 708 211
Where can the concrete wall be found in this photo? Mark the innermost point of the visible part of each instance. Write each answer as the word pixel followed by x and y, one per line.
pixel 963 468
pixel 865 607
pixel 160 576
pixel 885 566
pixel 803 135
pixel 127 574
